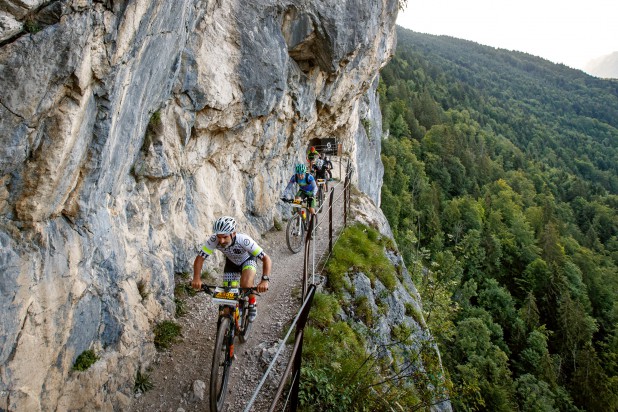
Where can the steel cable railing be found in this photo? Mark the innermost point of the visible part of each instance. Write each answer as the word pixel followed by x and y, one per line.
pixel 301 317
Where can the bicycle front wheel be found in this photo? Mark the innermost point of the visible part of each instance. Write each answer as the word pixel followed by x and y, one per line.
pixel 295 233
pixel 221 362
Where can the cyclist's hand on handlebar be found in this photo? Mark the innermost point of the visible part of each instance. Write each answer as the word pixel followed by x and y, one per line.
pixel 262 286
pixel 196 284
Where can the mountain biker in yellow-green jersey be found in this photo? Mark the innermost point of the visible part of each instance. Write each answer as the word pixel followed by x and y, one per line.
pixel 240 252
pixel 311 156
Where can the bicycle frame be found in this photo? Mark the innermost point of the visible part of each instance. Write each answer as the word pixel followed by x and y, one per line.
pixel 232 305
pixel 300 207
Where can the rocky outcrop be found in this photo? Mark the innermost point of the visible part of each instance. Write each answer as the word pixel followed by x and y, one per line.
pixel 125 128
pixel 397 331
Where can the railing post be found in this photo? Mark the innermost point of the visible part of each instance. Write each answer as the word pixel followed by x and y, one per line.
pixel 345 201
pixel 300 326
pixel 330 220
pixel 308 240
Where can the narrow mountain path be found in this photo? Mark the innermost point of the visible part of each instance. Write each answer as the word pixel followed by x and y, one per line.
pixel 175 371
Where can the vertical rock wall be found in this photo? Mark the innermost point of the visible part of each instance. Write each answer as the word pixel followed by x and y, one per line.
pixel 125 128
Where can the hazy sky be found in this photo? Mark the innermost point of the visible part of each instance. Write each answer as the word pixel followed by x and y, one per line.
pixel 568 31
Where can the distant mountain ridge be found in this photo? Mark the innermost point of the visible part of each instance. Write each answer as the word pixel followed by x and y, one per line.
pixel 605 67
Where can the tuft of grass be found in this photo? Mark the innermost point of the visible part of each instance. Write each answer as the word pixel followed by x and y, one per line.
pixel 367 126
pixel 360 249
pixel 85 360
pixel 166 334
pixel 32 26
pixel 184 275
pixel 401 333
pixel 323 310
pixel 181 307
pixel 152 130
pixel 184 289
pixel 142 289
pixel 415 313
pixel 155 119
pixel 142 383
pixel 364 311
pixel 277 224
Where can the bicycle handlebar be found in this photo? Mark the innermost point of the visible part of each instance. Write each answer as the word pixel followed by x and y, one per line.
pixel 210 289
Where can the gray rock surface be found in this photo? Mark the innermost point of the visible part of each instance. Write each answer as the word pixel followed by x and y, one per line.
pixel 126 127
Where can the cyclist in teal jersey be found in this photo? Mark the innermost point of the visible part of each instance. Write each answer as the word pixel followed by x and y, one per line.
pixel 240 252
pixel 307 186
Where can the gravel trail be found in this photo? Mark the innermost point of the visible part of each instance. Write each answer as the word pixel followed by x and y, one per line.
pixel 175 372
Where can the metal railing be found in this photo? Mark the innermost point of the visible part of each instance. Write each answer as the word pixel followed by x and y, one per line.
pixel 308 291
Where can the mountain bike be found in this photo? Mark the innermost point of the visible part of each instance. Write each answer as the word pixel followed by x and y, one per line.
pixel 322 189
pixel 233 321
pixel 298 224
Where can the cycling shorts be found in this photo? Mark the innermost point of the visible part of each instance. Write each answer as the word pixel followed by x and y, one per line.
pixel 232 271
pixel 308 196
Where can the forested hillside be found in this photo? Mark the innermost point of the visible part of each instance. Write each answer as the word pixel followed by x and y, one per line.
pixel 501 177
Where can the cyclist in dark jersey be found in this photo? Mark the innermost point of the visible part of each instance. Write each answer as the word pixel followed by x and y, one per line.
pixel 328 165
pixel 308 188
pixel 319 171
pixel 241 253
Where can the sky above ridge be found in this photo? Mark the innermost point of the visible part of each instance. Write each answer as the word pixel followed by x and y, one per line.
pixel 571 32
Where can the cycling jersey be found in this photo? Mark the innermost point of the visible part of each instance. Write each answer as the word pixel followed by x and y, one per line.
pixel 306 184
pixel 320 172
pixel 242 248
pixel 312 155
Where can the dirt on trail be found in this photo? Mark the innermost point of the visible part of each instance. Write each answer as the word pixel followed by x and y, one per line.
pixel 174 373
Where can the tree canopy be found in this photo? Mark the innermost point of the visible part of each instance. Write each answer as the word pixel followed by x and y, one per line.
pixel 501 177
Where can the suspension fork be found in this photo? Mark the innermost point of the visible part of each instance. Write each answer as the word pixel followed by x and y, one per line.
pixel 230 312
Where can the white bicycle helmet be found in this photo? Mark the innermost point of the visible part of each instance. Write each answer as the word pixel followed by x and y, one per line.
pixel 224 225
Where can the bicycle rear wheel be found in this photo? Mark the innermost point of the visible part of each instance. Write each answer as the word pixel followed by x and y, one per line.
pixel 320 198
pixel 295 233
pixel 221 362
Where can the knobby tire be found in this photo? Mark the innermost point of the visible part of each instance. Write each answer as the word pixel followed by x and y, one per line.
pixel 320 198
pixel 295 233
pixel 221 364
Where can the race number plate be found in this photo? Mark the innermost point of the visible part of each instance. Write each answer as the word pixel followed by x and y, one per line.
pixel 225 296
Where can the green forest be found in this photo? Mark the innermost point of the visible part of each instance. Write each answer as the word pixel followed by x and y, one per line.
pixel 501 187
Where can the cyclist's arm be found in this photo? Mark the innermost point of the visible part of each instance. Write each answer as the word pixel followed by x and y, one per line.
pixel 197 272
pixel 314 186
pixel 289 187
pixel 266 265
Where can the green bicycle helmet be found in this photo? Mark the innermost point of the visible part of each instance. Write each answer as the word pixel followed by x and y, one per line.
pixel 300 169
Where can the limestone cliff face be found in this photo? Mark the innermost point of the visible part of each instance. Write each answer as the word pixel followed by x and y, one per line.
pixel 125 128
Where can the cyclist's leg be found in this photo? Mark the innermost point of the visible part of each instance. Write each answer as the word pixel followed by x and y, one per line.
pixel 311 203
pixel 247 280
pixel 231 274
pixel 310 200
